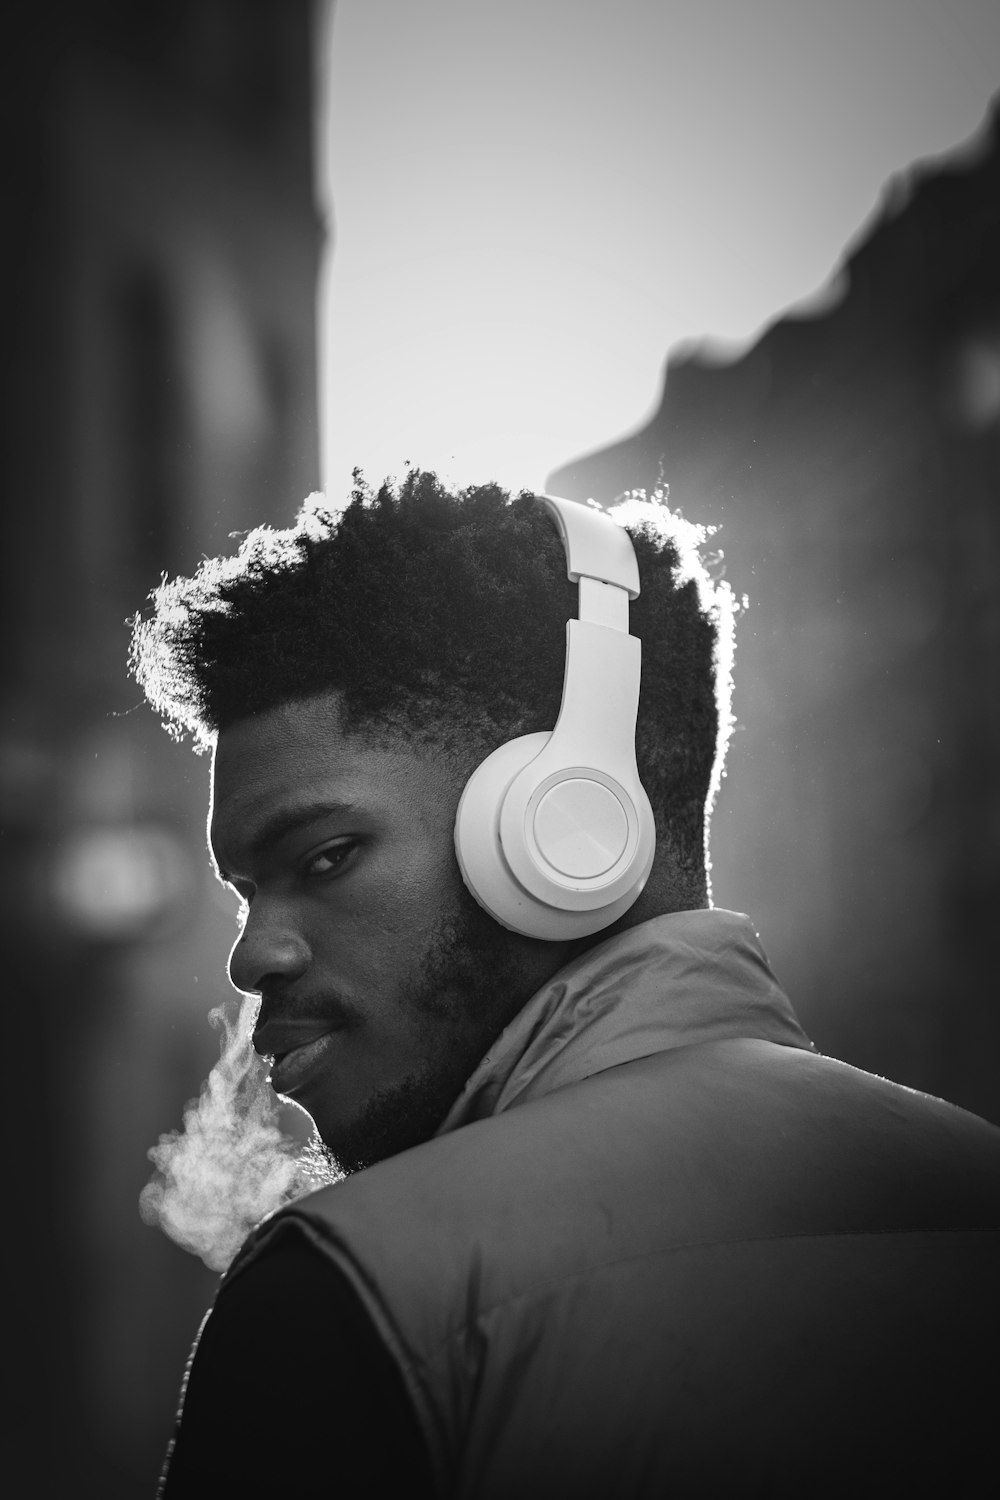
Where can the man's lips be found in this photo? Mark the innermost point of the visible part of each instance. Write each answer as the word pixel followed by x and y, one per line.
pixel 282 1035
pixel 295 1046
pixel 290 1072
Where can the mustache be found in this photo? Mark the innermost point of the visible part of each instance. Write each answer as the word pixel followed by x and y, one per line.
pixel 284 1023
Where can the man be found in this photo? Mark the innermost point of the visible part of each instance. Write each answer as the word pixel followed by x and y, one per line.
pixel 609 1226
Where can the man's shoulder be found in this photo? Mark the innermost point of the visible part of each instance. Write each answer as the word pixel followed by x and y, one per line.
pixel 736 1139
pixel 675 1249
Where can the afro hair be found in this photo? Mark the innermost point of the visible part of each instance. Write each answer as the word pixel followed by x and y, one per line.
pixel 442 615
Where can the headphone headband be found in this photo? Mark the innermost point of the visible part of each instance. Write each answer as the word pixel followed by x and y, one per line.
pixel 596 547
pixel 554 832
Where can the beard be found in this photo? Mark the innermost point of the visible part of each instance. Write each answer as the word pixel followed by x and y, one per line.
pixel 468 986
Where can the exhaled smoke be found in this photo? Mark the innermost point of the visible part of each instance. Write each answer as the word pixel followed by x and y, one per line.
pixel 231 1164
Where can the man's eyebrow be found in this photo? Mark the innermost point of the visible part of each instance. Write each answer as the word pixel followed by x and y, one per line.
pixel 284 821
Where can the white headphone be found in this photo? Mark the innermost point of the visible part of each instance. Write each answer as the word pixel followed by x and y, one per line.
pixel 554 833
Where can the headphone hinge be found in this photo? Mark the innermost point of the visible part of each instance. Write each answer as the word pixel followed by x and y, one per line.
pixel 603 604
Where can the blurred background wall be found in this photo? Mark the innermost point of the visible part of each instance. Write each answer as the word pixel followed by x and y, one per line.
pixel 160 365
pixel 851 459
pixel 159 354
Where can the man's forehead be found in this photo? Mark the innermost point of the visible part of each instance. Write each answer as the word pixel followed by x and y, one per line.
pixel 296 757
pixel 298 724
pixel 289 757
pixel 301 742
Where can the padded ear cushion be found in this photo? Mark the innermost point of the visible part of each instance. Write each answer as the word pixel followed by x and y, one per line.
pixel 477 832
pixel 484 866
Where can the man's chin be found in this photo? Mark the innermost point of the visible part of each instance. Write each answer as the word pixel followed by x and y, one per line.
pixel 462 995
pixel 391 1121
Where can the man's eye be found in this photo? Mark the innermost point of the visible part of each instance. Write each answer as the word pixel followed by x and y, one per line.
pixel 327 861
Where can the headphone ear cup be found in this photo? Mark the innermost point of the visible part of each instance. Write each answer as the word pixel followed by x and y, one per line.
pixel 477 831
pixel 484 865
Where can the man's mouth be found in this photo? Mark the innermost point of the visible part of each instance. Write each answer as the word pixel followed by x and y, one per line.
pixel 289 1070
pixel 293 1047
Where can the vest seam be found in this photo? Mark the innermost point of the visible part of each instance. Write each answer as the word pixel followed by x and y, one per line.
pixel 562 1281
pixel 331 1239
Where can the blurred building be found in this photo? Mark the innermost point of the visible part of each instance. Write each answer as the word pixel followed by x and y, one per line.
pixel 159 355
pixel 851 459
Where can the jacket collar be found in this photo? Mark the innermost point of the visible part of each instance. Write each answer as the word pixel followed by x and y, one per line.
pixel 691 977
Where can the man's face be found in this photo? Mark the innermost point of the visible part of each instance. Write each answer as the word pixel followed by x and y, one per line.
pixel 382 982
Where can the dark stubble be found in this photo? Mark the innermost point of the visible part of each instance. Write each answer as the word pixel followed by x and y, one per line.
pixel 468 987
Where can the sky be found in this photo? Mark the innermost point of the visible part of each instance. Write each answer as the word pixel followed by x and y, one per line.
pixel 530 203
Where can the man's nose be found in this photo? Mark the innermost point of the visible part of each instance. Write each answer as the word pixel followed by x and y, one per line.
pixel 270 947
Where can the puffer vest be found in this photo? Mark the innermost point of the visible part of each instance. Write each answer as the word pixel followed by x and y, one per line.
pixel 661 1247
